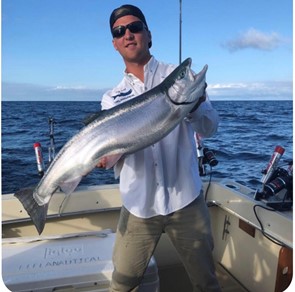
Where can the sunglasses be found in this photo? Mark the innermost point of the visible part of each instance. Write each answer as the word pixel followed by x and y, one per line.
pixel 134 27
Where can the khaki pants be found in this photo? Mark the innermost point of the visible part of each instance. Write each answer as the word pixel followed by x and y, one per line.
pixel 190 232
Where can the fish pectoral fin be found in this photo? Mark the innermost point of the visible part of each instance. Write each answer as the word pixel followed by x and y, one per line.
pixel 69 186
pixel 118 167
pixel 111 160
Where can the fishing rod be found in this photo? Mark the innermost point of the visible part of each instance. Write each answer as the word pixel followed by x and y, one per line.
pixel 51 148
pixel 180 30
pixel 39 158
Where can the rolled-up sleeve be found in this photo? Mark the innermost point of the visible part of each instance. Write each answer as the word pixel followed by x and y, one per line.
pixel 205 119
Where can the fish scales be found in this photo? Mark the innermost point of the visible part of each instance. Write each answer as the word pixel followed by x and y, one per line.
pixel 121 130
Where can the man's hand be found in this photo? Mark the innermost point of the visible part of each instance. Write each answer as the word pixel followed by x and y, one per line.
pixel 102 163
pixel 201 99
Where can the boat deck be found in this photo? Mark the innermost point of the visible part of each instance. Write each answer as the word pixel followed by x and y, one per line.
pixel 227 282
pixel 172 275
pixel 237 235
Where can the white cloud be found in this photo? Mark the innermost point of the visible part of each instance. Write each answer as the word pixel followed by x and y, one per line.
pixel 254 90
pixel 62 87
pixel 258 90
pixel 255 39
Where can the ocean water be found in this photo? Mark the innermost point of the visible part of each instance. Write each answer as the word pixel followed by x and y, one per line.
pixel 243 145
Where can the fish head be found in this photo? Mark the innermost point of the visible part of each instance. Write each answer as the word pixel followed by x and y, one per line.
pixel 187 87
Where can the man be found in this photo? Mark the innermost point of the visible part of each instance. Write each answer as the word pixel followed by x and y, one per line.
pixel 160 185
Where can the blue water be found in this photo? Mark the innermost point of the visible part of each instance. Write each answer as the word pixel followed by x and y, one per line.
pixel 247 136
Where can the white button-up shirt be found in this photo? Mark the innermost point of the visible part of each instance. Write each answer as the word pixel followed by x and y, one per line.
pixel 164 177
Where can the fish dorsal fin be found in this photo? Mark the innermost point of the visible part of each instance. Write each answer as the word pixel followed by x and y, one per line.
pixel 69 186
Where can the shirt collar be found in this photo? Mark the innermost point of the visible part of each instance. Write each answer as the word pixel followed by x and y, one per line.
pixel 150 67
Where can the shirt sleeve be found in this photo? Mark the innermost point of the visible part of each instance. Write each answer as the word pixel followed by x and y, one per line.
pixel 205 119
pixel 107 101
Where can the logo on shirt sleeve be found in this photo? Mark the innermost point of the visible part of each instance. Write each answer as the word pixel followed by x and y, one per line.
pixel 122 94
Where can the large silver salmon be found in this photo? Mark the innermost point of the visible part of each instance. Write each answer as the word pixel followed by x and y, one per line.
pixel 124 129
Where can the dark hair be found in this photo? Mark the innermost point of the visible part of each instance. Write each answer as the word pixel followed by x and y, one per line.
pixel 126 10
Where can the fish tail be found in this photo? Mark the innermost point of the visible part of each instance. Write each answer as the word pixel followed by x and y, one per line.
pixel 37 213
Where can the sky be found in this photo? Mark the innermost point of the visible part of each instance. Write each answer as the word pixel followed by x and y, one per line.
pixel 62 49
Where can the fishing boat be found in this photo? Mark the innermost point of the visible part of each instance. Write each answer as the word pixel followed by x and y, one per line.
pixel 253 240
pixel 253 243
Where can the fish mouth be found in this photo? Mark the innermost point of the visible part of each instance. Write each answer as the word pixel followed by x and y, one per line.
pixel 180 103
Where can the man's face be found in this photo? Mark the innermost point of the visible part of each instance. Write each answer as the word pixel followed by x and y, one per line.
pixel 133 47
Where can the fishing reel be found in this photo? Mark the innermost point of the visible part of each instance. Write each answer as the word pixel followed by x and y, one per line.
pixel 209 157
pixel 205 155
pixel 277 191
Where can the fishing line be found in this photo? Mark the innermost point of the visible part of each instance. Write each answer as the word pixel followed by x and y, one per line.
pixel 62 206
pixel 209 183
pixel 269 237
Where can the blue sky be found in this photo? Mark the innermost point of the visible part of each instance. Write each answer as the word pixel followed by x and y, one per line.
pixel 62 49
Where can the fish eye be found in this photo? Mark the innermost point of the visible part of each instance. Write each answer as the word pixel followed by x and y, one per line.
pixel 181 74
